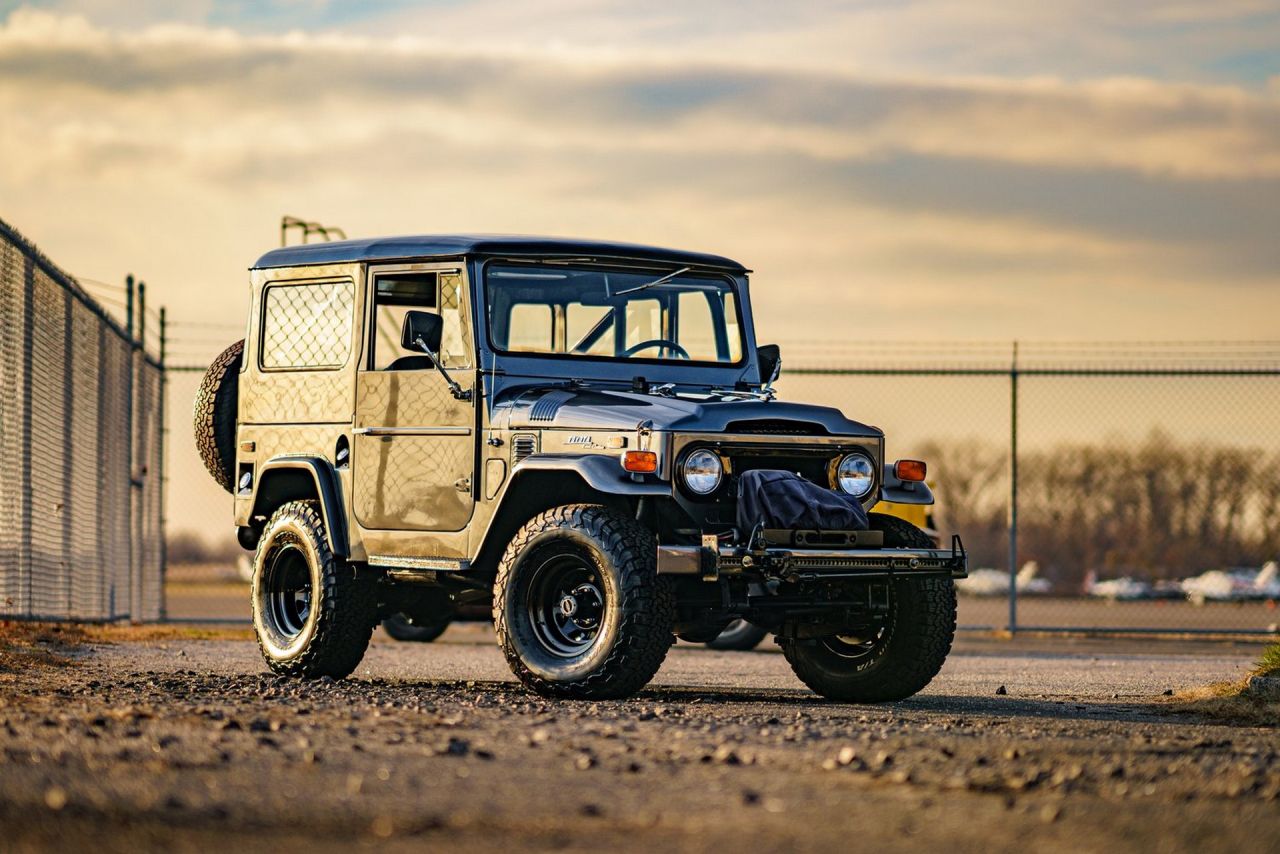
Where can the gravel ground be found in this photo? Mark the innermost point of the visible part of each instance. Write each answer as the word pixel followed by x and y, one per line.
pixel 187 744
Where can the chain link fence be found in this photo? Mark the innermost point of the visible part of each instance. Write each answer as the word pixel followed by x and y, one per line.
pixel 81 452
pixel 1099 487
pixel 1146 495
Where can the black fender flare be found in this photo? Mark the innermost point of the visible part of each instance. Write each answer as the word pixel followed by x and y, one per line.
pixel 290 478
pixel 585 478
pixel 601 472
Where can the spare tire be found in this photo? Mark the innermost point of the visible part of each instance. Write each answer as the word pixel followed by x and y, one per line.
pixel 215 415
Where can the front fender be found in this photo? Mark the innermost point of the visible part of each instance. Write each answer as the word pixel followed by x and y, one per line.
pixel 542 481
pixel 898 491
pixel 292 478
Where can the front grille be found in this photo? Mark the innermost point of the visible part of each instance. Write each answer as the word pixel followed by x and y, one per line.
pixel 523 445
pixel 776 427
pixel 810 463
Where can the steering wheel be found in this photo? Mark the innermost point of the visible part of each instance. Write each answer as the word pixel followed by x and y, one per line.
pixel 664 343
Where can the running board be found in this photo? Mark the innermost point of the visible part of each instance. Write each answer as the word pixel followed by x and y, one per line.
pixel 419 569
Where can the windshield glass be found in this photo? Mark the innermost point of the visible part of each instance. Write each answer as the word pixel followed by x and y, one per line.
pixel 594 312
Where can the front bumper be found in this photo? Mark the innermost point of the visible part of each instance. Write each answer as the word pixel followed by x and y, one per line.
pixel 710 562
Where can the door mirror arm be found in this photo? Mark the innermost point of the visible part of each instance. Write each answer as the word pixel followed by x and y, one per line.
pixel 459 393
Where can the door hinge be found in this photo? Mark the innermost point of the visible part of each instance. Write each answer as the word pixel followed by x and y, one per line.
pixel 462 484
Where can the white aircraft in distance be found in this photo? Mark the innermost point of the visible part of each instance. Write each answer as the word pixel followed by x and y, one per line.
pixel 995 582
pixel 1218 585
pixel 1125 589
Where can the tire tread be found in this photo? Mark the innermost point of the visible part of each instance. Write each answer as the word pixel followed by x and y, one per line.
pixel 930 619
pixel 647 604
pixel 347 603
pixel 214 415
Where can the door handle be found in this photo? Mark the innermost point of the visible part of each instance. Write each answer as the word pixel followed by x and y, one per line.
pixel 412 431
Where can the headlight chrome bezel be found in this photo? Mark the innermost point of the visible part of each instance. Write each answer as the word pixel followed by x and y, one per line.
pixel 869 472
pixel 686 476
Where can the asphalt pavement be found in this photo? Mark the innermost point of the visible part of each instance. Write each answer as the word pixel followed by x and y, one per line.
pixel 159 740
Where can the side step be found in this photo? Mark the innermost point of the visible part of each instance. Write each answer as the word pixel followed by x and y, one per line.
pixel 417 569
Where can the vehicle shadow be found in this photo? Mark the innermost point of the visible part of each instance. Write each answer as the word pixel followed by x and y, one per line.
pixel 685 700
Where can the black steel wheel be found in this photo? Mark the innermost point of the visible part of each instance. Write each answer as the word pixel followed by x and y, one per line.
pixel 312 613
pixel 286 589
pixel 896 660
pixel 578 605
pixel 403 627
pixel 739 635
pixel 565 601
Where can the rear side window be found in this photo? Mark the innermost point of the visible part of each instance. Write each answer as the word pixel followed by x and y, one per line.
pixel 307 325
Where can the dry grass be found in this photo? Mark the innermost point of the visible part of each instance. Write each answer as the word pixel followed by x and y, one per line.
pixel 1269 664
pixel 109 634
pixel 1232 701
pixel 25 645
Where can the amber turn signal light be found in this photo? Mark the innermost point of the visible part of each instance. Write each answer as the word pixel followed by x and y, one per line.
pixel 640 462
pixel 909 470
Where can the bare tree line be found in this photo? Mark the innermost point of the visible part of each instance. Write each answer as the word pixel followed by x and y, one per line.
pixel 1155 508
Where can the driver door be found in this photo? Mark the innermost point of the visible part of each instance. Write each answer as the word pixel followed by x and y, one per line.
pixel 414 453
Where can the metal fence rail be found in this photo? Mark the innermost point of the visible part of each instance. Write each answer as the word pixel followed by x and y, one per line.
pixel 81 452
pixel 1140 481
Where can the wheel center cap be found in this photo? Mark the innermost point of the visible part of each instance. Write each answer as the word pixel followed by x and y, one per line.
pixel 568 606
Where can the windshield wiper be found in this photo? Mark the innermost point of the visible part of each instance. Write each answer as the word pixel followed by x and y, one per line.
pixel 662 281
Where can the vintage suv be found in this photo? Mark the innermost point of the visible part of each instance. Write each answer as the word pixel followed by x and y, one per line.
pixel 556 428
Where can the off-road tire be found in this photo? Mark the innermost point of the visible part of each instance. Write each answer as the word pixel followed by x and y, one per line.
pixel 343 605
pixel 636 629
pixel 399 628
pixel 917 643
pixel 739 635
pixel 215 415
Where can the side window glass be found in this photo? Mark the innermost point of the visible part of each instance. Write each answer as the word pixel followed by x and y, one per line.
pixel 582 321
pixel 395 295
pixel 697 328
pixel 731 327
pixel 455 337
pixel 307 326
pixel 530 327
pixel 644 321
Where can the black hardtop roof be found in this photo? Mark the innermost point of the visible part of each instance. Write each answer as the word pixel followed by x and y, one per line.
pixel 455 245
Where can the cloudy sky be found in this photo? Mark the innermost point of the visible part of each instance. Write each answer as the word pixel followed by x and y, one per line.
pixel 983 170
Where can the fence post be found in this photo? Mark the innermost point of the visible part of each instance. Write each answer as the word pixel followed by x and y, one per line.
pixel 142 316
pixel 162 463
pixel 1013 491
pixel 128 305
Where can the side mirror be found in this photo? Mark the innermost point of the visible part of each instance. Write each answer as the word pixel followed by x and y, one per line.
pixel 769 360
pixel 424 325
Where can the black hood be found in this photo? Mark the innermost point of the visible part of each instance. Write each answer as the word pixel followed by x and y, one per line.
pixel 584 408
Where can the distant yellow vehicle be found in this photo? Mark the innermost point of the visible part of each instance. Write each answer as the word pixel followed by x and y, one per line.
pixel 920 515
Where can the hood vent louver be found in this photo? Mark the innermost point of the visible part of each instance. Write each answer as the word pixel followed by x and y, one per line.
pixel 546 407
pixel 523 445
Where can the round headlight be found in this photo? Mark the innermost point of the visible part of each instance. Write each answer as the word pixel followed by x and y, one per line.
pixel 856 475
pixel 702 471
